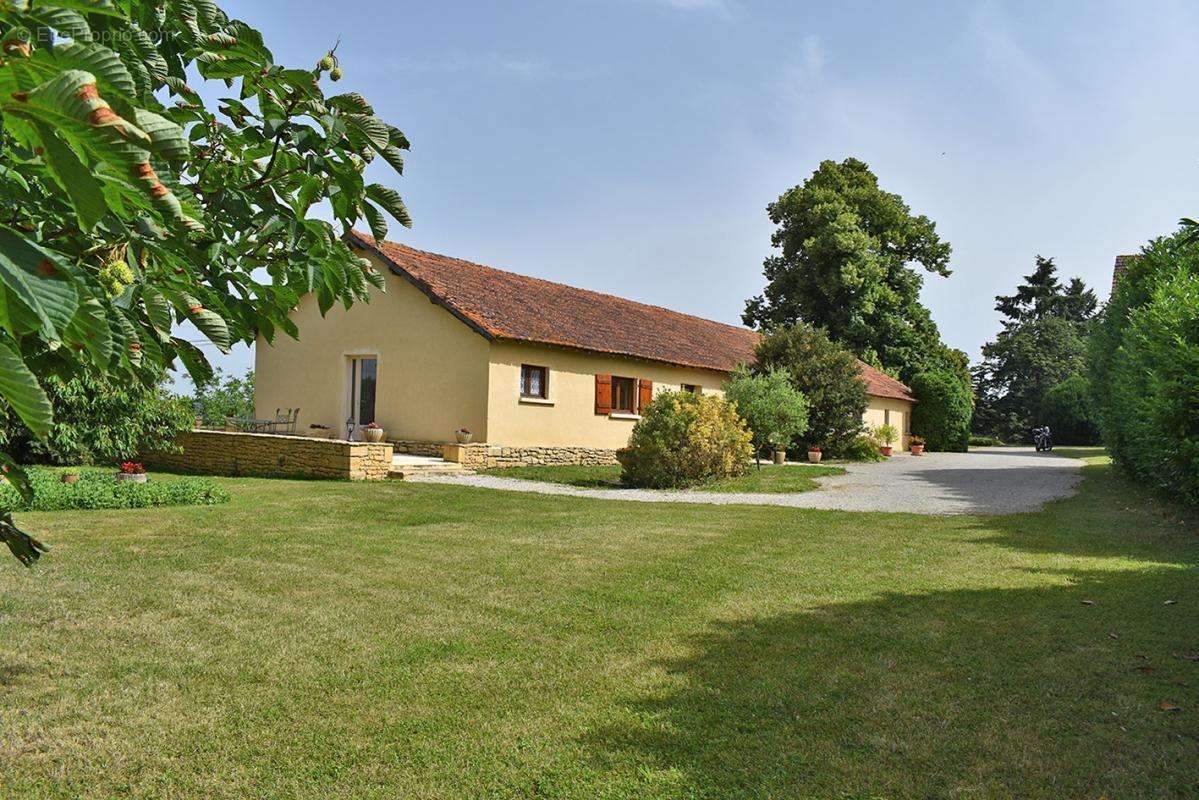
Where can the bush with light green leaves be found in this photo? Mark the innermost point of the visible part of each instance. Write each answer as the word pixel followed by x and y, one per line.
pixel 129 205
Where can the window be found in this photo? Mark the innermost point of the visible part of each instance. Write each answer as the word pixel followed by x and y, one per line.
pixel 624 395
pixel 534 381
pixel 887 416
pixel 692 388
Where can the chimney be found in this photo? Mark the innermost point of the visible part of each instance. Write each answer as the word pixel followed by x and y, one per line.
pixel 1122 264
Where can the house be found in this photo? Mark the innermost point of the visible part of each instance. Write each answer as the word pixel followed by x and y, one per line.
pixel 538 370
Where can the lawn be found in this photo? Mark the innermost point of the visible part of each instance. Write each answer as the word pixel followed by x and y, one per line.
pixel 314 640
pixel 768 480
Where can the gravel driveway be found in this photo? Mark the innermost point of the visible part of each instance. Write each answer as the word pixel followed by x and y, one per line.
pixel 984 481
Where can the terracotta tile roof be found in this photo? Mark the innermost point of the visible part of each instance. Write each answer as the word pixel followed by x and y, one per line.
pixel 880 384
pixel 504 305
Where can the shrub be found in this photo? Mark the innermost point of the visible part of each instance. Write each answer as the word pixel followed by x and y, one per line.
pixel 1067 410
pixel 98 488
pixel 985 441
pixel 826 374
pixel 683 440
pixel 862 448
pixel 1155 388
pixel 942 412
pixel 776 413
pixel 98 420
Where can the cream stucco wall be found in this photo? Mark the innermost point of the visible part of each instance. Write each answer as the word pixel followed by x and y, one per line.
pixel 569 418
pixel 432 374
pixel 900 416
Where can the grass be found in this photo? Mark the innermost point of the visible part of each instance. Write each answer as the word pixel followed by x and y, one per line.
pixel 769 480
pixel 312 640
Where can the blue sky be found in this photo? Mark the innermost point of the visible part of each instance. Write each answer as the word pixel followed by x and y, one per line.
pixel 631 146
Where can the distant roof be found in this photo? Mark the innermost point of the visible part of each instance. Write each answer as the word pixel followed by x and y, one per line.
pixel 505 305
pixel 1122 263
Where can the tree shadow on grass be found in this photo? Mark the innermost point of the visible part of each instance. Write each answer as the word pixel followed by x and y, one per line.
pixel 989 693
pixel 1041 682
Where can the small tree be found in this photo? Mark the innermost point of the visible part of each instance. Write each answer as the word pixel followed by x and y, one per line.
pixel 943 411
pixel 826 374
pixel 775 411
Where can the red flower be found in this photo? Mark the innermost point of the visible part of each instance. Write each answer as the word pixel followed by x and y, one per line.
pixel 132 468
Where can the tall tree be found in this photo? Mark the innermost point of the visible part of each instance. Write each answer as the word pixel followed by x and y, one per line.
pixel 128 205
pixel 1042 345
pixel 847 250
pixel 1042 295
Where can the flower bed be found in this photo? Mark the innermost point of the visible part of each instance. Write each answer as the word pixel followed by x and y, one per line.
pixel 98 488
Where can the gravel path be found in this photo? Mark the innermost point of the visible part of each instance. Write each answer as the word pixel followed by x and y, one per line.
pixel 984 481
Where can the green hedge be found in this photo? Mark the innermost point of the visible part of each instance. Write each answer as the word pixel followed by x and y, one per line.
pixel 98 488
pixel 943 411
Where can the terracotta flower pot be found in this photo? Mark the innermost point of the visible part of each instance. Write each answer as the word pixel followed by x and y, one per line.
pixel 917 449
pixel 70 477
pixel 885 450
pixel 814 456
pixel 373 435
pixel 780 456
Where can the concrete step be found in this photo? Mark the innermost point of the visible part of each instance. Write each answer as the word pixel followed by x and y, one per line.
pixel 403 466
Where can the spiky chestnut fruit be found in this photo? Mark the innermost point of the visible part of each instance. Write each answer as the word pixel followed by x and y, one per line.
pixel 335 74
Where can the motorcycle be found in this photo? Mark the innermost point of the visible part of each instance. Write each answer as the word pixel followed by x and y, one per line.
pixel 1043 439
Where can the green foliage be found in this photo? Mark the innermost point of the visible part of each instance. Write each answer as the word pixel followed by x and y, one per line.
pixel 846 246
pixel 223 396
pixel 100 489
pixel 985 441
pixel 885 435
pixel 942 413
pixel 1144 368
pixel 776 413
pixel 1068 411
pixel 98 421
pixel 1043 343
pixel 823 372
pixel 131 205
pixel 862 448
pixel 683 440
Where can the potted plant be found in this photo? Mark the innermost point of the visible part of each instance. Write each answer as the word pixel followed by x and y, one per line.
pixel 463 435
pixel 885 435
pixel 779 449
pixel 318 431
pixel 132 471
pixel 815 453
pixel 916 444
pixel 372 433
pixel 69 477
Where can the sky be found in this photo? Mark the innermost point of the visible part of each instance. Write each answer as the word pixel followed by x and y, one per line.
pixel 632 146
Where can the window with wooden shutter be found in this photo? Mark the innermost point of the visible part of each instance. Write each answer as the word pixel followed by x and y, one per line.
pixel 603 394
pixel 624 395
pixel 646 394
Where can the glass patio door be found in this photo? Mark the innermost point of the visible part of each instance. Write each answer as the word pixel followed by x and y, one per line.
pixel 364 374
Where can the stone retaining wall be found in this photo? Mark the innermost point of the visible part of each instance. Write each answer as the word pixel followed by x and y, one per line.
pixel 410 448
pixel 492 456
pixel 272 455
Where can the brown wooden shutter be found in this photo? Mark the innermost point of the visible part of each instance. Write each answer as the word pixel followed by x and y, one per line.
pixel 647 394
pixel 603 394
